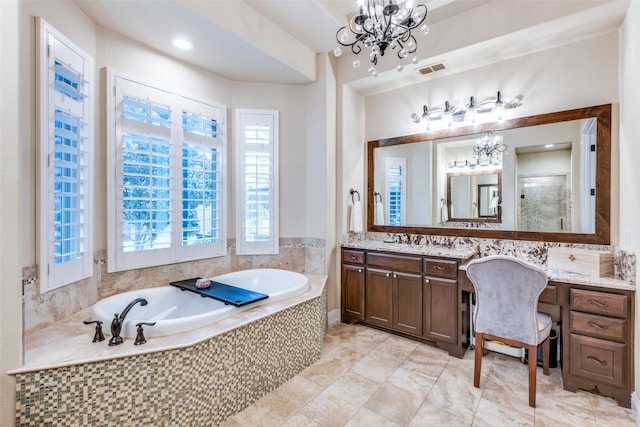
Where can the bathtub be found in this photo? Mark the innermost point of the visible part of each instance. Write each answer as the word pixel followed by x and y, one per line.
pixel 176 311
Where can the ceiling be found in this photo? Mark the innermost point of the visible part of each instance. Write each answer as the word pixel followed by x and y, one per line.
pixel 277 40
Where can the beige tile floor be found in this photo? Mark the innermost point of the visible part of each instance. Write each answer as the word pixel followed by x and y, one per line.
pixel 366 377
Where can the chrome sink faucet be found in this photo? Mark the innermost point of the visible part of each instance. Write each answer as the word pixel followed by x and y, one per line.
pixel 118 320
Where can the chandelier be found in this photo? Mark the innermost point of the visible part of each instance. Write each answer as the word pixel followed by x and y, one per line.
pixel 380 25
pixel 489 149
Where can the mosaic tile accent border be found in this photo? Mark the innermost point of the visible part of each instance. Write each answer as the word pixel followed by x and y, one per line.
pixel 200 385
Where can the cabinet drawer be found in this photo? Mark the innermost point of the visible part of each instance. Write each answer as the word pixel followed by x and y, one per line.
pixel 598 326
pixel 352 257
pixel 440 267
pixel 598 360
pixel 395 262
pixel 600 302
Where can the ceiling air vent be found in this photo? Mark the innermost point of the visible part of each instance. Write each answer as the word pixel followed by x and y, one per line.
pixel 432 68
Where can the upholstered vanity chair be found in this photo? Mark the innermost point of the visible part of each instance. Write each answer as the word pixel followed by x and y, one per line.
pixel 507 291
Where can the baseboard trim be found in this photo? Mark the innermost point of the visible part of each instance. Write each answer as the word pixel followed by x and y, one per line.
pixel 635 407
pixel 333 316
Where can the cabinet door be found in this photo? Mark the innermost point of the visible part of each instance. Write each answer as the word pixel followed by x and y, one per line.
pixel 440 314
pixel 352 301
pixel 379 291
pixel 407 303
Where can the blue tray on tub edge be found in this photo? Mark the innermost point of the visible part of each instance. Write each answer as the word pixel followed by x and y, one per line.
pixel 219 291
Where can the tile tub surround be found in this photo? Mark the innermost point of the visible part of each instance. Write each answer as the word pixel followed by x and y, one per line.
pixel 534 252
pixel 204 377
pixel 41 310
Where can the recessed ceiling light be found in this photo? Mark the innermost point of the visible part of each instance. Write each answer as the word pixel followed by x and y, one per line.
pixel 182 44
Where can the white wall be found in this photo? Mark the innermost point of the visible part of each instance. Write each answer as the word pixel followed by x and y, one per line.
pixel 630 149
pixel 572 76
pixel 12 135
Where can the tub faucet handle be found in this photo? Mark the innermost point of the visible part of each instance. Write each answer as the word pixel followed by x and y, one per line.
pixel 140 339
pixel 98 336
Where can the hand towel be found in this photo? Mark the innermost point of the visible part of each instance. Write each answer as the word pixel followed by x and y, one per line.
pixel 378 217
pixel 356 217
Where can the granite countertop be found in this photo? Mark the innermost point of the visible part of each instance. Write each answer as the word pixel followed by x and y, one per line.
pixel 583 279
pixel 68 342
pixel 460 252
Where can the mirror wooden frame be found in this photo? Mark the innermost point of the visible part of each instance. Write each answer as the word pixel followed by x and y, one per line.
pixel 601 113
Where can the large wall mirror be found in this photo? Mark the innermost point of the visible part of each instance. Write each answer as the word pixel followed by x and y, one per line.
pixel 549 182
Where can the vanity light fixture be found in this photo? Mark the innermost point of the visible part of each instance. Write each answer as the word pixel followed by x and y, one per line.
pixel 183 44
pixel 493 109
pixel 379 25
pixel 488 149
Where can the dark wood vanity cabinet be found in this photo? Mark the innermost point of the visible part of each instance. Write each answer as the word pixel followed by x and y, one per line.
pixel 598 341
pixel 352 289
pixel 440 300
pixel 412 295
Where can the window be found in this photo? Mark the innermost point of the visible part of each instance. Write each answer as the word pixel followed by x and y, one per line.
pixel 396 192
pixel 167 197
pixel 65 74
pixel 256 182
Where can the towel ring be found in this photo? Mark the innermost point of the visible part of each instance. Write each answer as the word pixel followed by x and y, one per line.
pixel 352 192
pixel 375 197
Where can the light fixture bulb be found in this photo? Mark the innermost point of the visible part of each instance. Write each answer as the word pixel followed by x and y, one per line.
pixel 498 109
pixel 183 44
pixel 414 60
pixel 424 30
pixel 337 52
pixel 356 63
pixel 400 67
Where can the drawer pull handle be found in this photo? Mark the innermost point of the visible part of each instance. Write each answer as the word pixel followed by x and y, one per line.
pixel 427 281
pixel 387 274
pixel 598 361
pixel 359 270
pixel 353 257
pixel 572 257
pixel 598 303
pixel 439 267
pixel 595 325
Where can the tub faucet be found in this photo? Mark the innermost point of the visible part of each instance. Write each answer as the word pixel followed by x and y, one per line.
pixel 118 320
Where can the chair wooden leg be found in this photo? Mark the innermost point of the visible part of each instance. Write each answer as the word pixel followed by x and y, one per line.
pixel 532 375
pixel 545 355
pixel 477 366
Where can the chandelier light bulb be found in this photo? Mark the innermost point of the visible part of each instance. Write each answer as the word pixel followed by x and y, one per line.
pixel 424 30
pixel 356 63
pixel 411 45
pixel 402 53
pixel 375 73
pixel 414 60
pixel 400 67
pixel 337 52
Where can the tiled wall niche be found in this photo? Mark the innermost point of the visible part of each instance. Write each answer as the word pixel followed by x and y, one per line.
pixel 199 385
pixel 40 310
